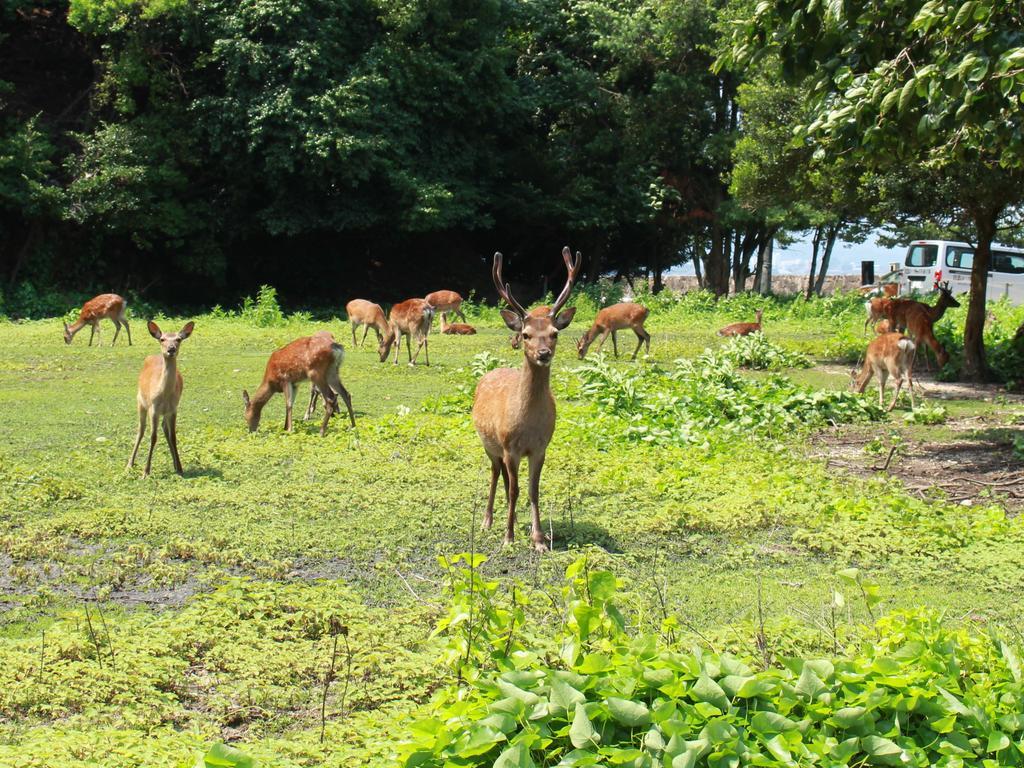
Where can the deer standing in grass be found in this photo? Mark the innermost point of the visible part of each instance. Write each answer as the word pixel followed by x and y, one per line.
pixel 877 309
pixel 370 315
pixel 106 306
pixel 889 354
pixel 617 317
pixel 743 329
pixel 411 318
pixel 160 386
pixel 514 410
pixel 316 358
pixel 444 302
pixel 456 329
pixel 918 319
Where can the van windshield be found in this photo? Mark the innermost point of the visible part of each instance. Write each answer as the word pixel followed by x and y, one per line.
pixel 922 255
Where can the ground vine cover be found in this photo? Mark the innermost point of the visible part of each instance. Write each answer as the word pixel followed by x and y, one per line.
pixel 144 622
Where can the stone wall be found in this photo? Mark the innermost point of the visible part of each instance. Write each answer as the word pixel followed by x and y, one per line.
pixel 782 285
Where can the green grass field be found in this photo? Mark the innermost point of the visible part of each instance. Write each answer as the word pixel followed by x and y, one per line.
pixel 145 619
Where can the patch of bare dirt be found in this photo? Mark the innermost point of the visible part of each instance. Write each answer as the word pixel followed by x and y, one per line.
pixel 978 468
pixel 927 386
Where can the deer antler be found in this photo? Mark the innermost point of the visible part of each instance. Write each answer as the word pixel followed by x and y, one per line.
pixel 573 267
pixel 503 288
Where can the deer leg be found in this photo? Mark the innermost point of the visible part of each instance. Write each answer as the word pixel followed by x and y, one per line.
pixel 92 332
pixel 366 330
pixel 398 345
pixel 330 400
pixel 910 386
pixel 352 325
pixel 171 435
pixel 899 386
pixel 512 468
pixel 289 401
pixel 117 330
pixel 882 376
pixel 314 394
pixel 334 381
pixel 615 343
pixel 128 330
pixel 426 349
pixel 155 419
pixel 496 469
pixel 601 343
pixel 639 343
pixel 540 542
pixel 458 311
pixel 138 437
pixel 408 348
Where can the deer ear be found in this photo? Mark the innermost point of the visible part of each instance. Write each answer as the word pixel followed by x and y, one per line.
pixel 564 318
pixel 154 330
pixel 187 330
pixel 245 398
pixel 512 320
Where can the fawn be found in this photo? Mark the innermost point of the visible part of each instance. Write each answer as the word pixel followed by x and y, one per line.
pixel 616 318
pixel 888 354
pixel 106 306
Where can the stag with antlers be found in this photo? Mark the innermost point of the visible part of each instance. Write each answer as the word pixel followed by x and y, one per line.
pixel 514 410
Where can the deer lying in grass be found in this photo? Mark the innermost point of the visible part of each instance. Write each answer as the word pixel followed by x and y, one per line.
pixel 456 329
pixel 444 302
pixel 159 391
pixel 316 358
pixel 106 306
pixel 890 354
pixel 514 410
pixel 743 329
pixel 516 339
pixel 410 318
pixel 617 317
pixel 918 320
pixel 370 315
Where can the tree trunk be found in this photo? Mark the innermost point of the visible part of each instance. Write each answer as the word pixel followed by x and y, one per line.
pixel 697 256
pixel 815 244
pixel 826 256
pixel 975 368
pixel 657 284
pixel 768 265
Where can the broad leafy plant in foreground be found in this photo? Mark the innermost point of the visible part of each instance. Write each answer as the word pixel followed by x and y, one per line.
pixel 917 693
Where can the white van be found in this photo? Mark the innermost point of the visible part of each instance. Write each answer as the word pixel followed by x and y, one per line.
pixel 932 261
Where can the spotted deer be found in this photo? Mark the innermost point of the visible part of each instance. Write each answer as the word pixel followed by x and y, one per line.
pixel 617 317
pixel 444 302
pixel 365 313
pixel 158 394
pixel 411 318
pixel 514 410
pixel 106 306
pixel 316 358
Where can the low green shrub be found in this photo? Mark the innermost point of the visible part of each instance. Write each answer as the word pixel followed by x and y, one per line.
pixel 263 311
pixel 757 352
pixel 917 693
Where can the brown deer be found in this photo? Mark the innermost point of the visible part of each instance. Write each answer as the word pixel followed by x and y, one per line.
pixel 159 391
pixel 918 320
pixel 743 329
pixel 890 354
pixel 877 309
pixel 617 317
pixel 316 358
pixel 883 326
pixel 106 306
pixel 444 302
pixel 516 339
pixel 366 313
pixel 514 410
pixel 410 318
pixel 456 329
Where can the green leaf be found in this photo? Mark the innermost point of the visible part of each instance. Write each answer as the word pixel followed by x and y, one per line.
pixel 883 750
pixel 706 689
pixel 631 713
pixel 515 756
pixel 564 697
pixel 223 756
pixel 906 94
pixel 997 740
pixel 809 684
pixel 582 733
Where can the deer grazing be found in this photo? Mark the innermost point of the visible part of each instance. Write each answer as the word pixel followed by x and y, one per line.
pixel 514 410
pixel 456 329
pixel 159 391
pixel 444 302
pixel 316 358
pixel 516 339
pixel 918 320
pixel 743 329
pixel 617 317
pixel 106 306
pixel 366 313
pixel 410 318
pixel 889 354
